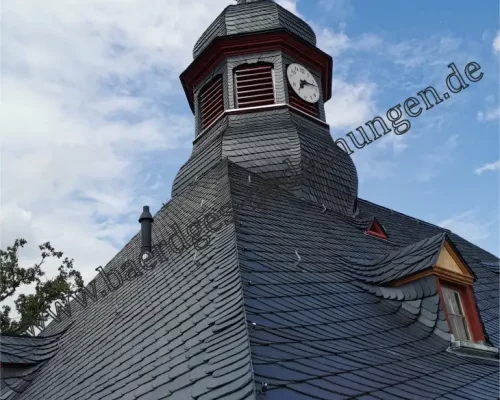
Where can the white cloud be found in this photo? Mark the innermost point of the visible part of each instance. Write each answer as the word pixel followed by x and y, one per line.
pixel 395 142
pixel 422 63
pixel 468 226
pixel 434 51
pixel 90 96
pixel 337 9
pixel 332 42
pixel 351 104
pixel 493 166
pixel 496 43
pixel 489 115
pixel 335 43
pixel 372 165
pixel 290 5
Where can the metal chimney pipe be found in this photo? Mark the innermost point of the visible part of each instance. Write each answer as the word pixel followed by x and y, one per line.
pixel 146 220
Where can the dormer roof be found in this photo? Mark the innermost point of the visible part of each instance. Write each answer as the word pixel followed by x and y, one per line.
pixel 436 253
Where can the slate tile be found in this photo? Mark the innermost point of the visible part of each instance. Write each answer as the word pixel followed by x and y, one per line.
pixel 325 317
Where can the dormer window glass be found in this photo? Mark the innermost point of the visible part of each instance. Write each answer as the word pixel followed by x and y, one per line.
pixel 456 314
pixel 254 85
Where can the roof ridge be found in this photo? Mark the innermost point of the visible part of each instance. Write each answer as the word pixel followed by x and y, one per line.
pixel 334 213
pixel 406 216
pixel 192 184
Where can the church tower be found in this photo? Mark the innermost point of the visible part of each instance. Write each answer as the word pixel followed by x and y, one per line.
pixel 212 300
pixel 257 88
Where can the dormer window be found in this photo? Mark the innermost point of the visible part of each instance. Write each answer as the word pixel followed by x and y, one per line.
pixel 211 101
pixel 456 314
pixel 254 85
pixel 454 281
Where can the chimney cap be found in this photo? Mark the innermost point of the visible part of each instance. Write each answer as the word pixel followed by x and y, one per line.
pixel 146 215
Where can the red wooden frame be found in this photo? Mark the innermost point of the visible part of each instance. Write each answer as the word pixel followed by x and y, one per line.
pixel 469 307
pixel 254 85
pixel 301 104
pixel 211 101
pixel 259 42
pixel 376 230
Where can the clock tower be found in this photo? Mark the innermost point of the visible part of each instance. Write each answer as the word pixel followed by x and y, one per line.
pixel 257 88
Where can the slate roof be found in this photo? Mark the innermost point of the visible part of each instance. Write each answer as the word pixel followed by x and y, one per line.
pixel 403 262
pixel 263 141
pixel 250 17
pixel 273 308
pixel 26 356
pixel 27 350
pixel 287 298
pixel 319 331
pixel 176 332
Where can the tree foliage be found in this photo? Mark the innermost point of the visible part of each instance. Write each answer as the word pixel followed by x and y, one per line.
pixel 32 308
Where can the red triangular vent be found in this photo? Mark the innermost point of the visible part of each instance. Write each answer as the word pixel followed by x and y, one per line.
pixel 377 230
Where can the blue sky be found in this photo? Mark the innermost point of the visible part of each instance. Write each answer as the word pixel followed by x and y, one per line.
pixel 392 52
pixel 95 123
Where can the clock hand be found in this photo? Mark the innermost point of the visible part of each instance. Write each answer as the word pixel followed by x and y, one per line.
pixel 310 84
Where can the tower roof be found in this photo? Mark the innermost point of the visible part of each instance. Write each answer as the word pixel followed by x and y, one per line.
pixel 250 16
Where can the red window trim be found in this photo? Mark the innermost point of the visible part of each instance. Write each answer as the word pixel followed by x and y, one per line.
pixel 469 305
pixel 211 101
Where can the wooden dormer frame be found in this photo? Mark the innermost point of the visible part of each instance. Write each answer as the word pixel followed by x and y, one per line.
pixel 451 271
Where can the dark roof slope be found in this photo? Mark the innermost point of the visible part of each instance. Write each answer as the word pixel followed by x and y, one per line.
pixel 175 332
pixel 27 350
pixel 22 357
pixel 274 305
pixel 319 332
pixel 255 16
pixel 16 379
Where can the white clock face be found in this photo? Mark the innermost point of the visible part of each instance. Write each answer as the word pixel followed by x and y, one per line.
pixel 303 83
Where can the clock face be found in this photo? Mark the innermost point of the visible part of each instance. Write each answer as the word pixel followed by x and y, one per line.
pixel 303 83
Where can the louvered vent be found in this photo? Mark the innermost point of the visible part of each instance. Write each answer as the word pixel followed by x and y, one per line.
pixel 254 85
pixel 295 101
pixel 211 101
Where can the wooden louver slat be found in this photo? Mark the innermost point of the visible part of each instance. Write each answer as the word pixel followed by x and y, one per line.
pixel 254 85
pixel 297 102
pixel 211 101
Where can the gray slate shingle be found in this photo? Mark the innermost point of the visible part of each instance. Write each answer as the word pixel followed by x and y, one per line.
pixel 245 317
pixel 254 16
